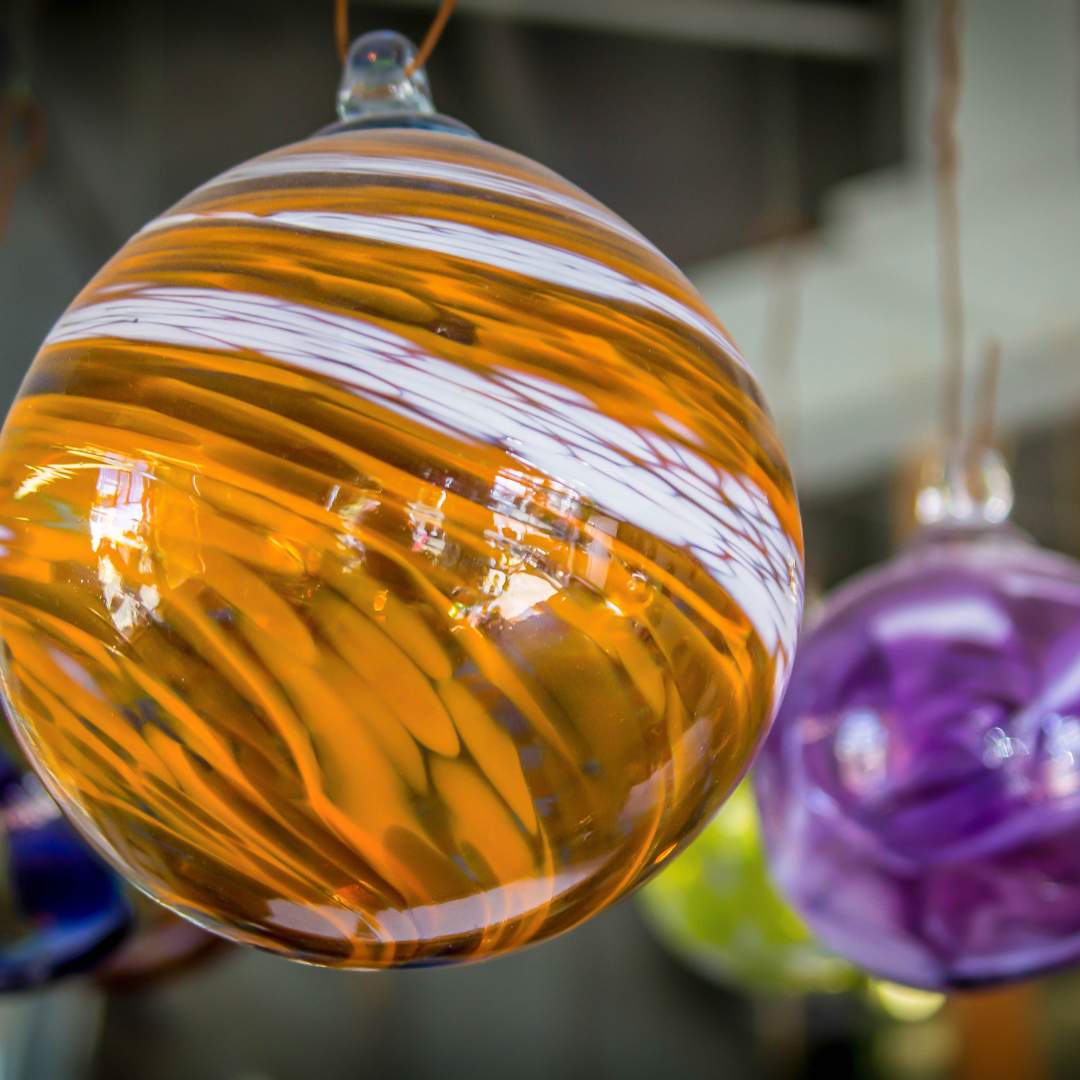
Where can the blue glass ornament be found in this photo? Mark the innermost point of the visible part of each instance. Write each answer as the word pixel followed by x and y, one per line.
pixel 62 910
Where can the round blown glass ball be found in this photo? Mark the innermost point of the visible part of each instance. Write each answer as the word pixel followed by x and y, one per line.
pixel 715 908
pixel 398 559
pixel 920 791
pixel 61 908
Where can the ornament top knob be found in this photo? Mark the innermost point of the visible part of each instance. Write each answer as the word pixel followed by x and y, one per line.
pixel 965 488
pixel 376 78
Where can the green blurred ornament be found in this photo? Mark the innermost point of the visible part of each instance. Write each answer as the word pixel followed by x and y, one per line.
pixel 717 910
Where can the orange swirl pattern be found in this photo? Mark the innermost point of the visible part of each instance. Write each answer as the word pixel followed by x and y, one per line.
pixel 398 563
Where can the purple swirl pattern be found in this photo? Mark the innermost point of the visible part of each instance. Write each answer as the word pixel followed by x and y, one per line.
pixel 921 788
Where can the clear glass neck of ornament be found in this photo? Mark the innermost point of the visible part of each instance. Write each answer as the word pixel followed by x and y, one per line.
pixel 965 487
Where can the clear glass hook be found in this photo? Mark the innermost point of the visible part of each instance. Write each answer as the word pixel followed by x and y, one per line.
pixel 376 79
pixel 966 486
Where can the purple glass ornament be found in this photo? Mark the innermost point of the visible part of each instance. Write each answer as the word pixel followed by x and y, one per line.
pixel 920 790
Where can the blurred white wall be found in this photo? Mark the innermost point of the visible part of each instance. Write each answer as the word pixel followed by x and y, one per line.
pixel 862 390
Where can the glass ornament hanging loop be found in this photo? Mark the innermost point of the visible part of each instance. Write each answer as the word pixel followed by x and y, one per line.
pixel 967 486
pixel 378 79
pixel 383 72
pixel 418 58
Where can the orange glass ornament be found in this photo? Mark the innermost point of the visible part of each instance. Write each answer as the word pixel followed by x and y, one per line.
pixel 398 560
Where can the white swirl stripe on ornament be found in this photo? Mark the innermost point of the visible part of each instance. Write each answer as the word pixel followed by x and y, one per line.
pixel 440 172
pixel 500 251
pixel 725 521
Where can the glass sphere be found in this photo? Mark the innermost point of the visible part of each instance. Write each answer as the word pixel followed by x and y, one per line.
pixel 398 559
pixel 715 907
pixel 61 908
pixel 920 791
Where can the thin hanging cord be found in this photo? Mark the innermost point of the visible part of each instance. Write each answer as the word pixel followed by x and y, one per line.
pixel 341 28
pixel 780 225
pixel 432 38
pixel 948 211
pixel 982 435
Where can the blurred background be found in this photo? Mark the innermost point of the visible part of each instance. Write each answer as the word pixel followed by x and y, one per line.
pixel 777 151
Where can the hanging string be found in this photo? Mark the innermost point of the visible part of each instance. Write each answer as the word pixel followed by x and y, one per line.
pixel 964 480
pixel 432 37
pixel 982 435
pixel 16 166
pixel 780 226
pixel 341 29
pixel 948 212
pixel 341 33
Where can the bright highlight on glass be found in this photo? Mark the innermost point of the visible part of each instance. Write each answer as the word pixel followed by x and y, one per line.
pixel 905 1003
